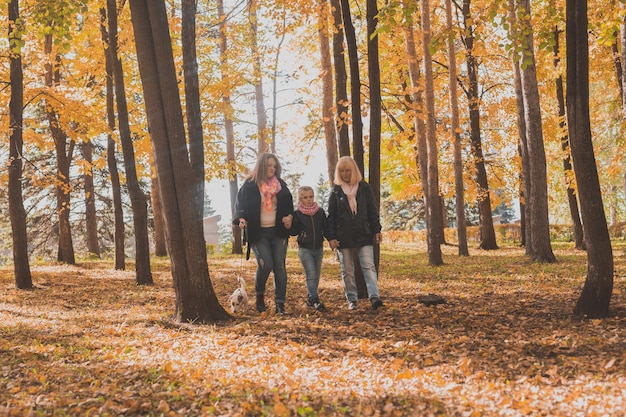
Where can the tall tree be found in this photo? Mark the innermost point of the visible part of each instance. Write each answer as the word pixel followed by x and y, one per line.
pixel 417 102
pixel 17 214
pixel 596 294
pixel 330 134
pixel 541 248
pixel 373 72
pixel 138 199
pixel 433 207
pixel 375 113
pixel 355 86
pixel 526 184
pixel 257 73
pixel 196 301
pixel 579 242
pixel 116 189
pixel 227 110
pixel 281 35
pixel 192 101
pixel 341 81
pixel 91 219
pixel 487 231
pixel 64 147
pixel 459 189
pixel 622 73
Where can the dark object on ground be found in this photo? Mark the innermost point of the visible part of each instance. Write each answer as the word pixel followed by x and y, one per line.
pixel 431 299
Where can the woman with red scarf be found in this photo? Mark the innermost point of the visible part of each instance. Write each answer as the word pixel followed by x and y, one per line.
pixel 264 207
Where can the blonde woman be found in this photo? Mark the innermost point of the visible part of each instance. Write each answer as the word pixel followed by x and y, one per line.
pixel 264 207
pixel 354 223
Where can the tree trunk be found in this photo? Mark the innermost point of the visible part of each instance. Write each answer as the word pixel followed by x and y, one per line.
pixel 541 250
pixel 342 120
pixel 596 294
pixel 327 91
pixel 118 213
pixel 579 242
pixel 17 214
pixel 138 199
pixel 258 79
pixel 373 71
pixel 229 130
pixel 526 184
pixel 64 148
pixel 192 102
pixel 355 86
pixel 91 220
pixel 375 113
pixel 160 246
pixel 622 82
pixel 196 300
pixel 421 159
pixel 459 190
pixel 433 207
pixel 275 79
pixel 487 232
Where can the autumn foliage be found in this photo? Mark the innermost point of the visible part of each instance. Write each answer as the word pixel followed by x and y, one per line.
pixel 89 341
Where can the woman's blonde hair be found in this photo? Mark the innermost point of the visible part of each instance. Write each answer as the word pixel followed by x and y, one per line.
pixel 258 173
pixel 355 172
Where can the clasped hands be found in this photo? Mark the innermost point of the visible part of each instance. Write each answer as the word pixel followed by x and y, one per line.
pixel 287 220
pixel 334 243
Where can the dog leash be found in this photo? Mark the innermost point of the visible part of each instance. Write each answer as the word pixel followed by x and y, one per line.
pixel 246 242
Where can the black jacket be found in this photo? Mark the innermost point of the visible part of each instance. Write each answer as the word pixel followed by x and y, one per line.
pixel 353 230
pixel 248 206
pixel 310 230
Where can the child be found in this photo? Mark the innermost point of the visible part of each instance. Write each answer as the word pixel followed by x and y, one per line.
pixel 309 224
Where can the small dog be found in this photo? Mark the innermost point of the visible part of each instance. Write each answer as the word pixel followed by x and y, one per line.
pixel 239 299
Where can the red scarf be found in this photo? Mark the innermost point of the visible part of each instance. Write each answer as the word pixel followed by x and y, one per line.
pixel 269 189
pixel 309 210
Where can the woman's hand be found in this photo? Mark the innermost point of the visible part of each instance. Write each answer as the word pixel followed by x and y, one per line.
pixel 378 238
pixel 287 221
pixel 242 223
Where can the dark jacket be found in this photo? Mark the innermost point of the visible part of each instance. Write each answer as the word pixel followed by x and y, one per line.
pixel 248 206
pixel 310 230
pixel 353 230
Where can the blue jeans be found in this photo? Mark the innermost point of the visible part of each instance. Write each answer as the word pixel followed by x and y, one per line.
pixel 270 253
pixel 311 260
pixel 366 260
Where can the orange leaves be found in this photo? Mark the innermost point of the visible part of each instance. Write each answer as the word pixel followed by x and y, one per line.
pixel 89 341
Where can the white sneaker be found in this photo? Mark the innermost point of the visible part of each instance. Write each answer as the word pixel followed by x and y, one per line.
pixel 351 305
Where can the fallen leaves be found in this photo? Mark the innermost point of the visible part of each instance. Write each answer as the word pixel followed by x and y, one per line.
pixel 89 341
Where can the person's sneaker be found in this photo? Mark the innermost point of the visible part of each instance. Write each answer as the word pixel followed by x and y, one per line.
pixel 318 305
pixel 280 308
pixel 260 303
pixel 351 305
pixel 376 303
pixel 310 302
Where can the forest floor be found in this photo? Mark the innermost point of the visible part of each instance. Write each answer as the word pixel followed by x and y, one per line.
pixel 88 341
